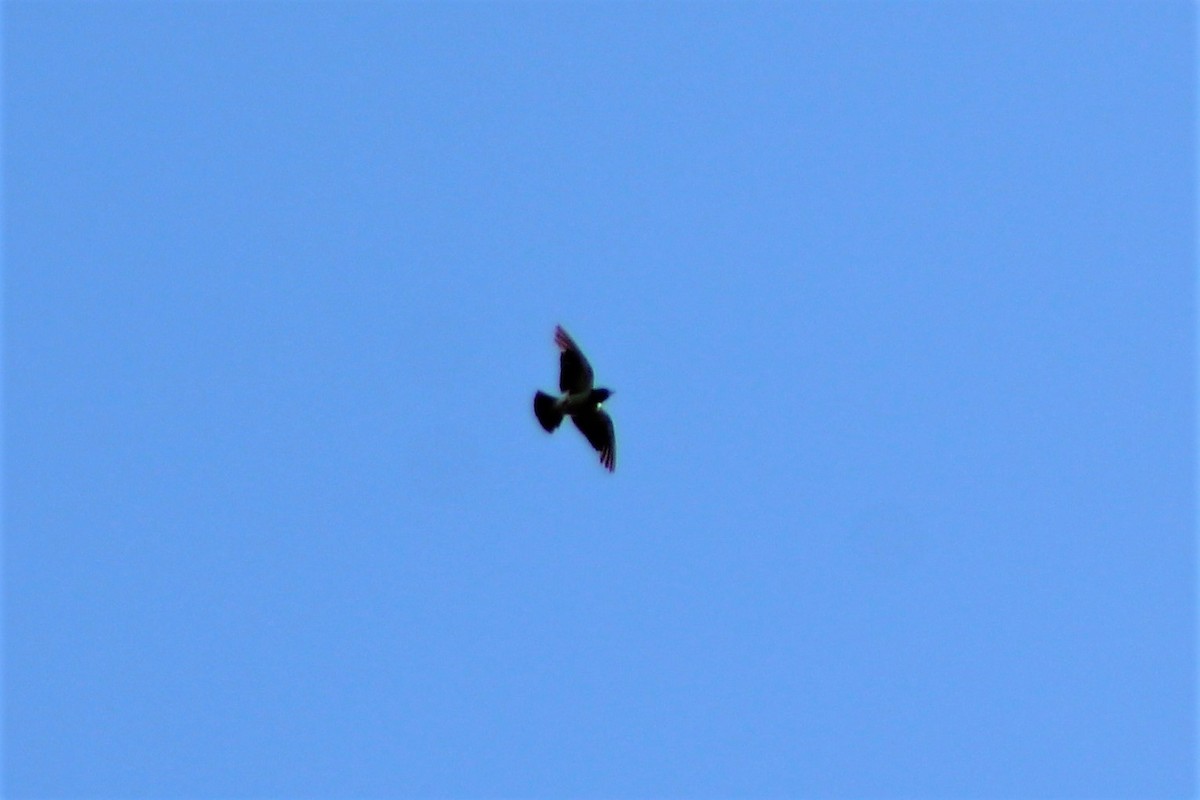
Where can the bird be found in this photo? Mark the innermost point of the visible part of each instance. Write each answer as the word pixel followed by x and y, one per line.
pixel 580 400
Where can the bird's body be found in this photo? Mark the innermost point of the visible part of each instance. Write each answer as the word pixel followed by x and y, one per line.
pixel 580 400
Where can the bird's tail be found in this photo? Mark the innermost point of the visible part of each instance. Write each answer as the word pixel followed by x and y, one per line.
pixel 547 412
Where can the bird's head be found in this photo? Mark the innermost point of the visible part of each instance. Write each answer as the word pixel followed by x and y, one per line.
pixel 600 395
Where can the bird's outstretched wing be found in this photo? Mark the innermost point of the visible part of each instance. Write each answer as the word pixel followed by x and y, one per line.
pixel 574 371
pixel 597 427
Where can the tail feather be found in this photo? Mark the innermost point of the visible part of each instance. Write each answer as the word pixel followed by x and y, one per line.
pixel 546 410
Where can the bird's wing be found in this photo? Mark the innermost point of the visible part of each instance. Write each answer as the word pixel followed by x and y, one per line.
pixel 574 371
pixel 597 427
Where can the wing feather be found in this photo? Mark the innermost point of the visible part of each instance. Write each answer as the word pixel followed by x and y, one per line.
pixel 574 371
pixel 597 427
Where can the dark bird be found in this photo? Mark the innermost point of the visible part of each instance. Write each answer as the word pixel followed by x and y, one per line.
pixel 579 400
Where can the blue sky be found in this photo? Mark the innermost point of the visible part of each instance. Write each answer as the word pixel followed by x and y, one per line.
pixel 898 301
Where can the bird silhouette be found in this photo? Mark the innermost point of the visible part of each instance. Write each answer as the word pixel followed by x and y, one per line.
pixel 580 400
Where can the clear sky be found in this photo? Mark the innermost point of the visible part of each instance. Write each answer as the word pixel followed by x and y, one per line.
pixel 897 299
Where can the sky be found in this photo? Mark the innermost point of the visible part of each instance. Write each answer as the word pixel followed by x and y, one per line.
pixel 897 299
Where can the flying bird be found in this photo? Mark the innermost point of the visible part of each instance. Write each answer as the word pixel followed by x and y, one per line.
pixel 580 400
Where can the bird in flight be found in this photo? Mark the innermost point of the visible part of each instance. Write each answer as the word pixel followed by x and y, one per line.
pixel 580 400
